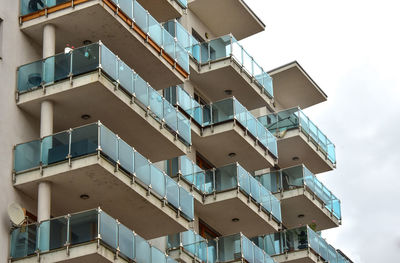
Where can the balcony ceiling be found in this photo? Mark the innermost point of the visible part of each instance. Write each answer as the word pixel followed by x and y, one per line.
pixel 227 16
pixel 294 87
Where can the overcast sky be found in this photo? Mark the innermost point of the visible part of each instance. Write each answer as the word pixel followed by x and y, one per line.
pixel 351 48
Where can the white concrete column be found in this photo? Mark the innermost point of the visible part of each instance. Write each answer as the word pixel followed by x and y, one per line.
pixel 46 128
pixel 49 40
pixel 46 118
pixel 44 201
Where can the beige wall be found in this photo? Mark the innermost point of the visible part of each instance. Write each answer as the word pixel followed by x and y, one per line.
pixel 16 126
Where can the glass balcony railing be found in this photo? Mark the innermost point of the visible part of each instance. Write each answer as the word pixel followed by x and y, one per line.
pixel 231 248
pixel 182 3
pixel 96 138
pixel 184 38
pixel 96 57
pixel 222 111
pixel 141 18
pixel 221 48
pixel 299 177
pixel 298 239
pixel 232 176
pixel 295 119
pixel 81 229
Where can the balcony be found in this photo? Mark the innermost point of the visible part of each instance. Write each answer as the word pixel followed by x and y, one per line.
pixel 300 141
pixel 164 10
pixel 230 189
pixel 89 236
pixel 294 87
pixel 226 132
pixel 188 247
pixel 81 82
pixel 123 25
pixel 238 19
pixel 301 245
pixel 221 65
pixel 303 197
pixel 93 161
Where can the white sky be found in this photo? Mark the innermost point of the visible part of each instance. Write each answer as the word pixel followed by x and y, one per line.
pixel 352 50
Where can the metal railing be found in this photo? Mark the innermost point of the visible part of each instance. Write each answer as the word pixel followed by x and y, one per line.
pixel 300 177
pixel 298 239
pixel 78 229
pixel 97 56
pixel 140 16
pixel 221 111
pixel 220 48
pixel 232 176
pixel 296 119
pixel 230 248
pixel 95 139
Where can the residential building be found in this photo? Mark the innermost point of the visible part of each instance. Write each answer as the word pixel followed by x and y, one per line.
pixel 142 130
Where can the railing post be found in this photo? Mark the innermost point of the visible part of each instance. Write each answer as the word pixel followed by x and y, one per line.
pixel 98 225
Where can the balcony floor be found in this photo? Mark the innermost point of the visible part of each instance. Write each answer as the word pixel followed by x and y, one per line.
pixel 296 144
pixel 106 187
pixel 218 141
pixel 94 20
pixel 300 201
pixel 225 74
pixel 88 95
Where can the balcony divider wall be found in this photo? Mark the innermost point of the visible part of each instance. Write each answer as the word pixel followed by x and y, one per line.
pixel 96 139
pixel 97 57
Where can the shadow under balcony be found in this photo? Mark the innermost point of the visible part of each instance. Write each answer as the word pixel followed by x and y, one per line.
pixel 94 162
pixel 300 245
pixel 164 10
pixel 247 205
pixel 304 199
pixel 91 81
pixel 294 87
pixel 300 141
pixel 125 27
pixel 90 236
pixel 239 19
pixel 226 132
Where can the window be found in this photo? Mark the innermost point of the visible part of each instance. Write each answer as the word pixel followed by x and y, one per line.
pixel 197 36
pixel 206 231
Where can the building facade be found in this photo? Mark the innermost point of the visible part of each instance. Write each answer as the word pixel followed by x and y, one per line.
pixel 143 131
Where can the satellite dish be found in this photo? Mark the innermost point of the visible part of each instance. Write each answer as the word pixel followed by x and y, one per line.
pixel 16 214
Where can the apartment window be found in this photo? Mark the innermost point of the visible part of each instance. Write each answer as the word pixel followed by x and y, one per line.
pixel 206 231
pixel 202 162
pixel 197 36
pixel 1 38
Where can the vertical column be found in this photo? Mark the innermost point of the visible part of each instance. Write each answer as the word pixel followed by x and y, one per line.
pixel 49 40
pixel 46 128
